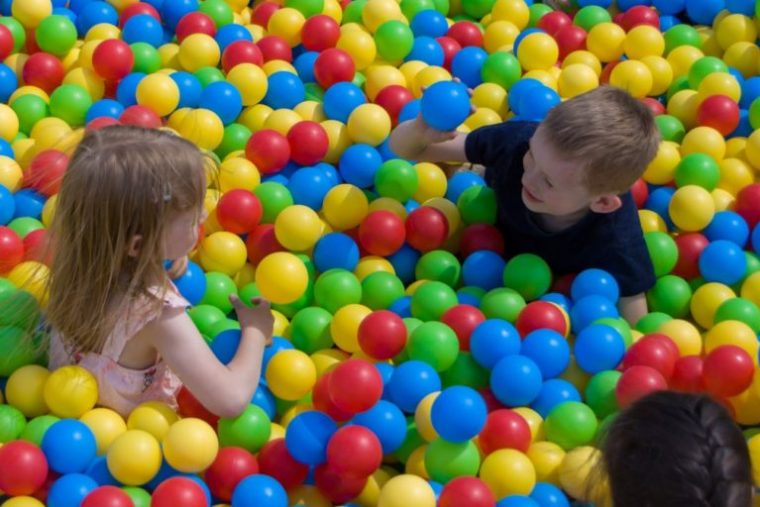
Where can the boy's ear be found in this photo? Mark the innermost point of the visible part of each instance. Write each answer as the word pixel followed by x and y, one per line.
pixel 133 247
pixel 606 203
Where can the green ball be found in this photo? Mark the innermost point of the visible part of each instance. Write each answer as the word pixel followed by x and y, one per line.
pixel 381 289
pixel 359 79
pixel 477 205
pixel 650 323
pixel 431 300
pixel 353 12
pixel 274 198
pixel 6 287
pixel 571 424
pixel 306 299
pixel 219 286
pixel 620 325
pixel 70 103
pixel 662 250
pixel 12 423
pixel 411 8
pixel 311 269
pixel 219 11
pixel 697 283
pixel 314 92
pixel 681 35
pixel 56 35
pixel 475 292
pixel 205 317
pixel 208 75
pixel 310 330
pixel 17 31
pixel 248 292
pixel 537 11
pixel 396 179
pixel 740 309
pixel 445 461
pixel 24 225
pixel 434 343
pixel 250 430
pixel 30 109
pixel 501 68
pixel 140 497
pixel 698 169
pixel 147 59
pixel 703 67
pixel 753 264
pixel 18 308
pixel 37 427
pixel 670 127
pixel 441 266
pixel 442 6
pixel 235 138
pixel 411 324
pixel 600 393
pixel 502 303
pixel 337 288
pixel 308 8
pixel 411 442
pixel 394 40
pixel 590 16
pixel 465 372
pixel 17 349
pixel 754 114
pixel 529 275
pixel 680 83
pixel 222 326
pixel 671 295
pixel 477 8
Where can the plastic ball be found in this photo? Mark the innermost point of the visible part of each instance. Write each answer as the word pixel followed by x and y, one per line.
pixel 691 208
pixel 636 382
pixel 308 436
pixel 571 424
pixel 410 383
pixel 369 124
pixel 179 490
pixel 363 377
pixel 290 374
pixel 276 461
pixel 727 371
pixel 606 40
pixel 184 459
pixel 71 489
pixel 70 391
pixel 466 491
pixel 508 472
pixel 297 228
pixel 23 468
pixel 134 457
pixel 458 414
pixel 69 446
pixel 598 348
pixel 722 261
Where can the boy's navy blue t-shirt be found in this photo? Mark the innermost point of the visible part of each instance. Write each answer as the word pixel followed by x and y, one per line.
pixel 610 241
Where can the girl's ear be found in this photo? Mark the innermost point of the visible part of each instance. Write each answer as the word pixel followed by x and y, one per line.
pixel 133 248
pixel 606 203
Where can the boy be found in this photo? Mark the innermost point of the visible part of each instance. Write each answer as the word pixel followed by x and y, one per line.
pixel 562 185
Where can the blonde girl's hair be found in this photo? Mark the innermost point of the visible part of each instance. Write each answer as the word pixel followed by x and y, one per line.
pixel 122 182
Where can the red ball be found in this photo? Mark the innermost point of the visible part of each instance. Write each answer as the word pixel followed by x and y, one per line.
pixel 113 59
pixel 140 116
pixel 44 71
pixel 426 228
pixel 690 246
pixel 640 15
pixel 466 33
pixel 31 43
pixel 728 371
pixel 36 247
pixel 274 47
pixel 570 38
pixel 607 72
pixel 640 192
pixel 636 382
pixel 393 98
pixel 320 396
pixel 232 465
pixel 542 315
pixel 492 403
pixel 654 105
pixel 275 460
pixel 262 12
pixel 505 429
pixel 382 335
pixel 382 233
pixel 480 237
pixel 355 385
pixel 268 150
pixel 450 48
pixel 553 22
pixel 652 351
pixel 195 22
pixel 45 172
pixel 332 66
pixel 6 42
pixel 748 204
pixel 107 496
pixel 239 211
pixel 338 488
pixel 137 9
pixel 11 249
pixel 23 467
pixel 261 242
pixel 189 406
pixel 241 51
pixel 564 284
pixel 354 451
pixel 463 319
pixel 720 113
pixel 687 375
pixel 320 32
pixel 179 491
pixel 466 492
pixel 308 142
pixel 102 122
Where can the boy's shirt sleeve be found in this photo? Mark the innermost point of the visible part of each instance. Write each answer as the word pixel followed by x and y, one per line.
pixel 631 266
pixel 494 145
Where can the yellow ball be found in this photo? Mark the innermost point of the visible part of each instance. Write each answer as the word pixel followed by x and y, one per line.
pixel 634 77
pixel 154 417
pixel 281 277
pixel 326 359
pixel 88 80
pixel 514 11
pixel 662 73
pixel 662 168
pixel 546 77
pixel 360 45
pixel 415 463
pixel 406 490
pixel 31 12
pixel 422 417
pixel 491 96
pixel 202 127
pixel 508 472
pixel 546 458
pixel 10 173
pixel 643 40
pixel 683 105
pixel 309 496
pixel 338 139
pixel 298 227
pixel 24 390
pixel 134 457
pixel 345 206
pixel 281 324
pixel 743 56
pixel 33 277
pixel 344 327
pixel 310 110
pixel 500 34
pixel 481 118
pixel 8 123
pixel 538 51
pixel 238 173
pixel 751 288
pixel 333 9
pixel 705 140
pixel 732 332
pixel 369 124
pixel 432 182
pixel 370 495
pixel 169 54
pixel 377 12
pixel 380 76
pixel 273 66
pixel 159 93
pixel 190 458
pixel 584 57
pixel 70 391
pixel 282 120
pixel 752 151
pixel 706 300
pixel 651 221
pixel 685 335
pixel 691 208
pixel 197 51
pixel 287 23
pixel 575 470
pixel 388 204
pixel 224 252
pixel 735 28
pixel 735 174
pixel 535 422
pixel 606 41
pixel 449 209
pixel 372 264
pixel 24 150
pixel 576 79
pixel 22 501
pixel 754 454
pixel 747 404
pixel 720 83
pixel 106 425
pixel 291 374
pixel 410 70
pixel 723 199
pixel 681 59
pixel 28 90
pixel 254 117
pixel 427 77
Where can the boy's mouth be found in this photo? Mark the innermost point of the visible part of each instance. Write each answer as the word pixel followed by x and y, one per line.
pixel 531 197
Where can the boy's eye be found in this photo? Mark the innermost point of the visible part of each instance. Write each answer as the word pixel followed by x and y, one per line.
pixel 548 183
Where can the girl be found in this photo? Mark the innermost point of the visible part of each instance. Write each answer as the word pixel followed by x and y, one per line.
pixel 131 198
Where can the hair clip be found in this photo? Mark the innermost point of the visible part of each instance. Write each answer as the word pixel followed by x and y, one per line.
pixel 167 197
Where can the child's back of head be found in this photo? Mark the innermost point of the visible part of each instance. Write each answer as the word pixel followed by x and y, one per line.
pixel 677 450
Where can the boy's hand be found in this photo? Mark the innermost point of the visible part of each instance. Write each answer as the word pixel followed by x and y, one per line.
pixel 429 135
pixel 259 317
pixel 178 268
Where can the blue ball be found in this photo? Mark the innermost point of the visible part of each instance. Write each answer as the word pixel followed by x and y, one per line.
pixel 411 205
pixel 668 22
pixel 595 281
pixel 746 7
pixel 669 7
pixel 537 102
pixel 307 437
pixel 429 23
pixel 385 150
pixel 750 91
pixel 624 5
pixel 387 422
pixel 554 392
pixel 437 488
pixel 304 65
pixel 6 150
pixel 278 343
pixel 460 182
pixel 744 128
pixel 127 89
pixel 549 350
pixel 358 165
pixel 230 33
pixel 8 82
pixel 410 111
pixel 402 307
pixel 493 340
pixel 484 269
pixel 728 225
pixel 285 91
pixel 549 495
pixel 598 348
pixel 75 5
pixel 157 4
pixel 69 446
pixel 522 35
pixel 6 8
pixel 516 381
pixel 445 105
pixel 224 99
pixel 166 471
pixel 467 298
pixel 70 490
pixel 703 12
pixel 143 28
pixel 590 308
pixel 341 99
pixel 517 501
pixel 598 3
pixel 264 399
pixel 104 108
pixel 309 186
pixel 723 261
pixel 200 482
pixel 174 10
pixel 225 345
pixel 192 284
pixel 190 89
pixel 519 90
pixel 259 491
pixel 458 413
pixel 404 260
pixel 330 172
pixel 467 65
pixel 428 50
pixel 98 470
pixel 336 250
pixel 558 299
pixel 7 205
pixel 386 372
pixel 29 203
pixel 412 381
pixel 658 201
pixel 95 13
pixel 755 231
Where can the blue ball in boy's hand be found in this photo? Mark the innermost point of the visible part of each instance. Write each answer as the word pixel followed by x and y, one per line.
pixel 445 105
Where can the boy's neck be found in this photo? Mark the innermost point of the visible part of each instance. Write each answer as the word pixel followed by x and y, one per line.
pixel 558 223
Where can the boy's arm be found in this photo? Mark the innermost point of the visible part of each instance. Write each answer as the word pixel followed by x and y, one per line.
pixel 415 140
pixel 633 308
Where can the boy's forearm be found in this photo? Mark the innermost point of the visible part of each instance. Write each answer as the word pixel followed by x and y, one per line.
pixel 633 308
pixel 405 142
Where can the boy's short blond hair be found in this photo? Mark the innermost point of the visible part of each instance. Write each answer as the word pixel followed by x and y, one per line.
pixel 611 133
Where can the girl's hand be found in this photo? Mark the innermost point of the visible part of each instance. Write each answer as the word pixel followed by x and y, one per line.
pixel 178 268
pixel 258 317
